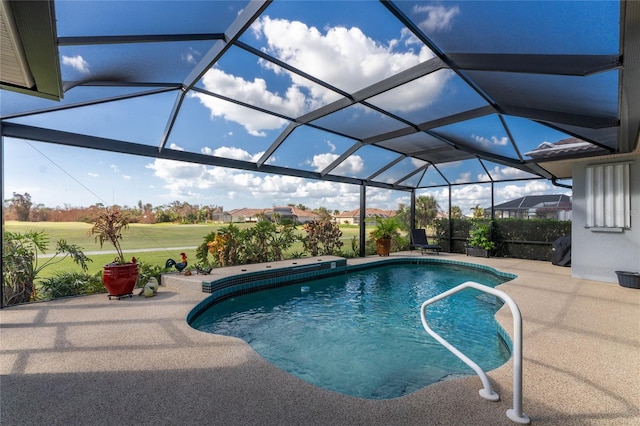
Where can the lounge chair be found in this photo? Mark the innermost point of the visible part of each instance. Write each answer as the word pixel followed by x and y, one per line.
pixel 419 241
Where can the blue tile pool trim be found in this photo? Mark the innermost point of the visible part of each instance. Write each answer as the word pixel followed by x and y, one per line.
pixel 424 261
pixel 250 282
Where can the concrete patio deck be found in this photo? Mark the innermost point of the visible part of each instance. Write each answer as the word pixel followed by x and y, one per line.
pixel 94 361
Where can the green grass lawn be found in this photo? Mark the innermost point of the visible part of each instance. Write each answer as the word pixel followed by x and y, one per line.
pixel 166 241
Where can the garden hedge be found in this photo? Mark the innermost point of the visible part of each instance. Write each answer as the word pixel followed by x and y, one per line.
pixel 517 238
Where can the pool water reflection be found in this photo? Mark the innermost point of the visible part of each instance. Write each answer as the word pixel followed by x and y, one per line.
pixel 360 333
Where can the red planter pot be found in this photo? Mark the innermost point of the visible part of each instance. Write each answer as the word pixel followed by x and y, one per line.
pixel 119 280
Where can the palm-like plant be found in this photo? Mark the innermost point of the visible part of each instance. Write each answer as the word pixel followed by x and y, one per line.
pixel 386 228
pixel 108 227
pixel 426 210
pixel 20 263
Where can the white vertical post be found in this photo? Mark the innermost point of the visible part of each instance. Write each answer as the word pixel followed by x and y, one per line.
pixel 589 197
pixel 598 196
pixel 626 194
pixel 609 197
pixel 618 191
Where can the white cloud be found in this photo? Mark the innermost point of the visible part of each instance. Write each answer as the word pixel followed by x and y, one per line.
pixel 494 140
pixel 504 173
pixel 417 163
pixel 252 92
pixel 228 152
pixel 93 174
pixel 76 62
pixel 413 97
pixel 357 61
pixel 464 178
pixel 192 56
pixel 173 171
pixel 322 161
pixel 349 167
pixel 468 196
pixel 193 181
pixel 533 187
pixel 439 18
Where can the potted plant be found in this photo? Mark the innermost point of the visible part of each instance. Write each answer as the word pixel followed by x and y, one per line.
pixel 479 242
pixel 120 276
pixel 386 229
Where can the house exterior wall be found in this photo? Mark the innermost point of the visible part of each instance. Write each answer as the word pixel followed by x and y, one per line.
pixel 597 255
pixel 347 220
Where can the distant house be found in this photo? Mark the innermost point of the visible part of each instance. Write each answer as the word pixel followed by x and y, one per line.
pixel 569 146
pixel 252 215
pixel 244 215
pixel 295 214
pixel 557 207
pixel 353 217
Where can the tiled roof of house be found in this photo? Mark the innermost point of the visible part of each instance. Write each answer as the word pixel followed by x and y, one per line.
pixel 294 211
pixel 531 201
pixel 565 146
pixel 369 213
pixel 246 212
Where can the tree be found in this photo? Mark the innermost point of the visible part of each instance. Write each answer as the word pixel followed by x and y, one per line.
pixel 426 210
pixel 478 212
pixel 324 213
pixel 456 212
pixel 39 213
pixel 21 204
pixel 403 216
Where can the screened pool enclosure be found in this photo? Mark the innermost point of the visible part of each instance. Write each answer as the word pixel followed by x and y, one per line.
pixel 399 95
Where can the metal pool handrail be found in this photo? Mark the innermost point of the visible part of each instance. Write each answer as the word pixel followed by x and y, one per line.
pixel 515 414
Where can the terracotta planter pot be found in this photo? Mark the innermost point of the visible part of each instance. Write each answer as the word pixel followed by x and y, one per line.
pixel 383 246
pixel 119 280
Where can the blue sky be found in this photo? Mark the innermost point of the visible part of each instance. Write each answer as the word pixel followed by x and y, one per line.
pixel 302 34
pixel 70 177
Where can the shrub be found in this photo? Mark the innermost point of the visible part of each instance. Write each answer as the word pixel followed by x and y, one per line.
pixel 480 236
pixel 517 238
pixel 225 246
pixel 64 284
pixel 265 242
pixel 323 237
pixel 20 263
pixel 147 271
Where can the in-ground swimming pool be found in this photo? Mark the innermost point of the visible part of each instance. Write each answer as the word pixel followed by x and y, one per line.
pixel 360 333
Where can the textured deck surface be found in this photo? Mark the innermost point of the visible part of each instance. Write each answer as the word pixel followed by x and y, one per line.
pixel 91 360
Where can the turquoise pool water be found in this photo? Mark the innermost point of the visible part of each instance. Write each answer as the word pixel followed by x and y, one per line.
pixel 360 333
